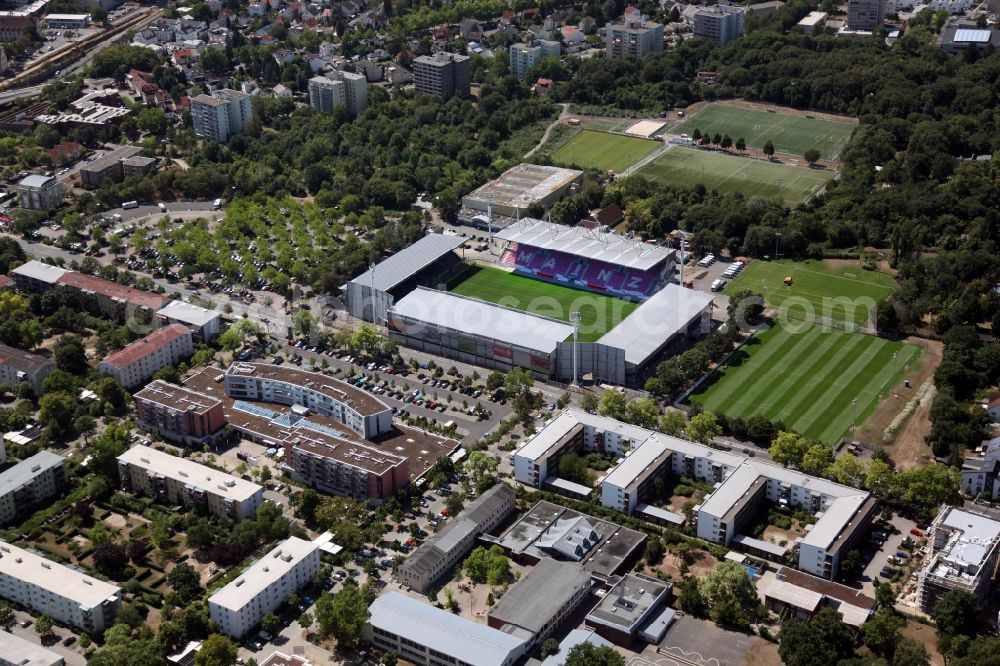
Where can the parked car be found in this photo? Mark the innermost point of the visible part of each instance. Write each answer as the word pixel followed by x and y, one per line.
pixel 915 532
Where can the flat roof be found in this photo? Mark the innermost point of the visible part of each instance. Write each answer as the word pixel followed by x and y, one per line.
pixel 188 471
pixel 605 246
pixel 35 180
pixel 533 602
pixel 523 185
pixel 758 544
pixel 38 270
pixel 973 536
pixel 20 652
pixel 972 35
pixel 626 604
pixel 177 397
pixel 68 17
pixel 463 314
pixel 263 573
pixel 407 262
pixel 813 18
pixel 360 401
pixel 655 322
pixel 26 470
pixel 207 100
pixel 189 313
pixel 59 579
pixel 444 632
pixel 660 514
pixel 552 433
pixel 112 158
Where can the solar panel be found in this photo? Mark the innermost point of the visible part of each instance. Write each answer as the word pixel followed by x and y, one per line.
pixel 288 419
pixel 317 427
pixel 254 409
pixel 974 36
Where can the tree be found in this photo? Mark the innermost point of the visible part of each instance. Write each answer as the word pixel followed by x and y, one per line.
pixel 730 595
pixel 912 653
pixel 30 333
pixel 955 613
pixel 7 618
pixel 769 149
pixel 70 355
pixel 43 625
pixel 110 559
pixel 366 340
pixel 305 621
pixel 644 412
pixel 270 623
pixel 672 423
pixel 152 120
pixel 308 503
pixel 574 468
pixel 821 641
pixel 741 144
pixel 613 404
pixel 590 404
pixel 85 425
pixel 56 412
pixel 879 478
pixel 214 60
pixel 788 448
pixel 343 615
pixel 487 566
pixel 881 632
pixel 588 654
pixel 237 334
pixel 549 647
pixel 216 650
pixel 847 469
pixel 812 156
pixel 454 504
pixel 184 580
pixel 817 460
pixel 690 596
pixel 703 428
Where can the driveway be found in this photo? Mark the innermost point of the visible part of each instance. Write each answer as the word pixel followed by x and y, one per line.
pixel 72 657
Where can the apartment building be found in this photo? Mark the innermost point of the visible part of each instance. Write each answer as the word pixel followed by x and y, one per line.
pixel 178 414
pixel 264 586
pixel 66 595
pixel 719 23
pixel 28 483
pixel 138 362
pixel 523 57
pixel 107 167
pixel 429 636
pixel 632 36
pixel 442 74
pixel 339 89
pixel 16 651
pixel 963 554
pixel 443 550
pixel 865 15
pixel 174 480
pixel 17 365
pixel 36 277
pixel 40 193
pixel 110 299
pixel 218 116
pixel 204 323
pixel 541 601
pixel 358 410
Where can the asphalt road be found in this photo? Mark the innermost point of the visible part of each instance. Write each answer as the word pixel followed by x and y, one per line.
pixel 153 210
pixel 20 93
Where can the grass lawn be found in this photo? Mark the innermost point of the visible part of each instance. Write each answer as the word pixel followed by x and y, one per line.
pixel 731 173
pixel 807 378
pixel 604 151
pixel 598 313
pixel 611 124
pixel 843 293
pixel 791 134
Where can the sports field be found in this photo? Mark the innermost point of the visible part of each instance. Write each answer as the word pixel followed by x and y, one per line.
pixel 731 173
pixel 808 378
pixel 598 313
pixel 604 151
pixel 790 134
pixel 843 293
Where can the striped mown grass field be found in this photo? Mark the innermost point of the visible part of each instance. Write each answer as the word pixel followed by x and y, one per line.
pixel 807 377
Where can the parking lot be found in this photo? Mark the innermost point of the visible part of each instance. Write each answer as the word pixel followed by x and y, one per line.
pixel 25 628
pixel 879 555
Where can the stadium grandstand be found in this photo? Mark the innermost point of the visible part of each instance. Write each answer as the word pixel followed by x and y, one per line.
pixel 591 259
pixel 515 192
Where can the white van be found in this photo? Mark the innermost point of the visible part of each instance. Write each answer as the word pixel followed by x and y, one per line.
pixel 217 204
pixel 163 207
pixel 130 204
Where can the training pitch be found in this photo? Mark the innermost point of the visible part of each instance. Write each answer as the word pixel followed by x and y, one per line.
pixel 842 293
pixel 808 378
pixel 598 313
pixel 790 134
pixel 601 150
pixel 730 173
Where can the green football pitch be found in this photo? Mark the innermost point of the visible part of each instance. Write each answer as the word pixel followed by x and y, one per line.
pixel 730 173
pixel 601 150
pixel 598 313
pixel 808 378
pixel 790 134
pixel 843 293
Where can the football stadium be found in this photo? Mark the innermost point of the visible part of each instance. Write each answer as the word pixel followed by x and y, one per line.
pixel 551 289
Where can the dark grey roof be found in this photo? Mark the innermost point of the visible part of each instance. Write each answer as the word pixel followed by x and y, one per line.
pixel 534 601
pixel 406 262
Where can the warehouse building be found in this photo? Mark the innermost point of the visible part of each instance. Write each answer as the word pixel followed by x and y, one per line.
pixel 66 595
pixel 521 187
pixel 178 414
pixel 428 636
pixel 30 482
pixel 445 548
pixel 371 295
pixel 264 586
pixel 963 555
pixel 542 600
pixel 175 480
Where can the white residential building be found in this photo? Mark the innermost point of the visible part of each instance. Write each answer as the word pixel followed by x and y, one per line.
pixel 139 361
pixel 66 595
pixel 525 56
pixel 29 482
pixel 964 548
pixel 339 89
pixel 632 37
pixel 219 116
pixel 40 193
pixel 264 586
pixel 176 480
pixel 719 23
pixel 204 323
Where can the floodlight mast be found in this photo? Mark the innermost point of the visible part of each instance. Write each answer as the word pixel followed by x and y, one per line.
pixel 574 318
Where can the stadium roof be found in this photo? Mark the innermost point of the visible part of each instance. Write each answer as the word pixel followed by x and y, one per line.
pixel 654 323
pixel 405 263
pixel 444 632
pixel 608 247
pixel 474 317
